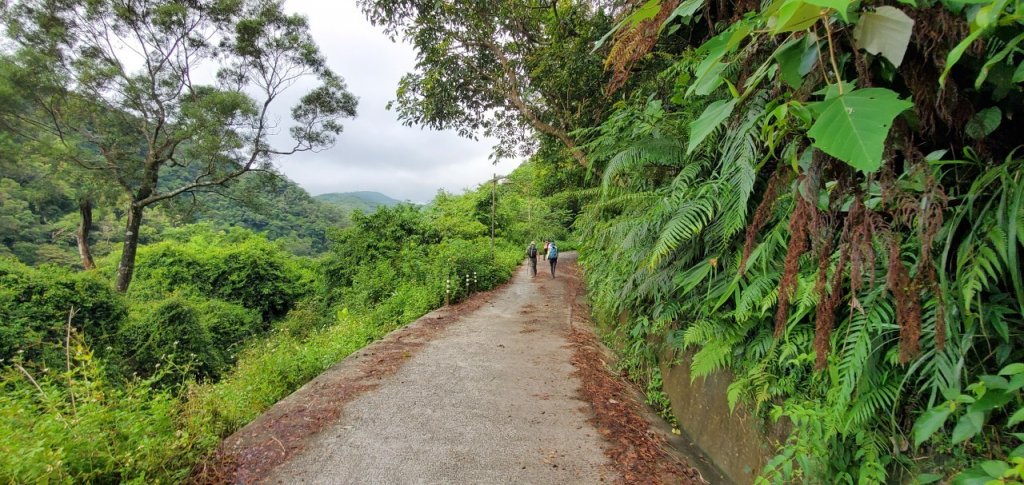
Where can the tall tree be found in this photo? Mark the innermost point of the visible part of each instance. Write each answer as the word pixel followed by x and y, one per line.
pixel 125 83
pixel 499 67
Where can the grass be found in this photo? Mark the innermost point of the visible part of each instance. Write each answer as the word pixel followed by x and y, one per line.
pixel 95 430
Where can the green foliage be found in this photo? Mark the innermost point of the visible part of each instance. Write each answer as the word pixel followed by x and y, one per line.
pixel 853 126
pixel 361 201
pixel 236 266
pixel 75 425
pixel 219 325
pixel 986 399
pixel 169 333
pixel 269 369
pixel 811 145
pixel 133 123
pixel 35 304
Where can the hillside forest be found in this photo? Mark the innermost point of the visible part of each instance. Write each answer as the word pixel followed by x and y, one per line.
pixel 823 198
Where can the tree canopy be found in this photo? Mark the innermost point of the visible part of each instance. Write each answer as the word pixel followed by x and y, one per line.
pixel 121 85
pixel 499 68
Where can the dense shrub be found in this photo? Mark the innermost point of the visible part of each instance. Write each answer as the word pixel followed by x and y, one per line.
pixel 308 316
pixel 168 332
pixel 229 325
pixel 252 272
pixel 34 307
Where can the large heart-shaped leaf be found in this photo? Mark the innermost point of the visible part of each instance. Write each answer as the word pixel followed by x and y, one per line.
pixel 884 31
pixel 713 116
pixel 853 126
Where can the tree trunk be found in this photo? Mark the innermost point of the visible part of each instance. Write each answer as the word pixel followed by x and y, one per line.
pixel 82 235
pixel 126 267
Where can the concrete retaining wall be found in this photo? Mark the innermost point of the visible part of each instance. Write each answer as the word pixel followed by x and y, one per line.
pixel 734 442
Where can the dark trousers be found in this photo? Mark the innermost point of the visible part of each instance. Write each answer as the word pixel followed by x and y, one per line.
pixel 554 262
pixel 533 266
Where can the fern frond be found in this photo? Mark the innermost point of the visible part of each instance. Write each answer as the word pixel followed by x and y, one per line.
pixel 691 218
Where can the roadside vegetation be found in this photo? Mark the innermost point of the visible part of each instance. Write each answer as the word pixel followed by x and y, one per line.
pixel 823 197
pixel 100 386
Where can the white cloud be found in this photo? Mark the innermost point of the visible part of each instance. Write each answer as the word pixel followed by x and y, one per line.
pixel 376 152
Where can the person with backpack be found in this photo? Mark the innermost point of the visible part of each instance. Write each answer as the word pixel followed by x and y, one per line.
pixel 553 257
pixel 531 253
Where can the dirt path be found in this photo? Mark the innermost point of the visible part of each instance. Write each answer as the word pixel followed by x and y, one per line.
pixel 489 391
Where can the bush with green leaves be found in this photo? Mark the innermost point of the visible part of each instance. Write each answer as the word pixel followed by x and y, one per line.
pixel 230 325
pixel 169 332
pixel 73 424
pixel 239 267
pixel 35 304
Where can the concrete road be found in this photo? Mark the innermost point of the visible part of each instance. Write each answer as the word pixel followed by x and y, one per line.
pixel 489 399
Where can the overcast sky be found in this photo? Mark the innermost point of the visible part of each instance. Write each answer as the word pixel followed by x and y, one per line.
pixel 376 152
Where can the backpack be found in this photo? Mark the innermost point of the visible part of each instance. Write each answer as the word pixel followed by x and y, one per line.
pixel 553 252
pixel 532 251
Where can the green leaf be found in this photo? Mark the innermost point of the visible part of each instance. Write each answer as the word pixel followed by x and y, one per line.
pixel 984 123
pixel 840 6
pixel 954 54
pixel 1016 418
pixel 999 57
pixel 832 90
pixel 713 116
pixel 926 478
pixel 709 72
pixel 995 468
pixel 1018 75
pixel 968 426
pixel 794 15
pixel 930 422
pixel 796 58
pixel 972 476
pixel 853 126
pixel 1016 382
pixel 885 31
pixel 646 12
pixel 994 382
pixel 993 398
pixel 684 11
pixel 1012 369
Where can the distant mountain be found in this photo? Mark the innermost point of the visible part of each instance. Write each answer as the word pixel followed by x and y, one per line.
pixel 364 201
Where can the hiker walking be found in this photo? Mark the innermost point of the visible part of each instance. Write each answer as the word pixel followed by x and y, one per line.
pixel 552 257
pixel 531 253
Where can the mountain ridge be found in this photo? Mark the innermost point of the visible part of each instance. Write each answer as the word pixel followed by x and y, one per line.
pixel 364 200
